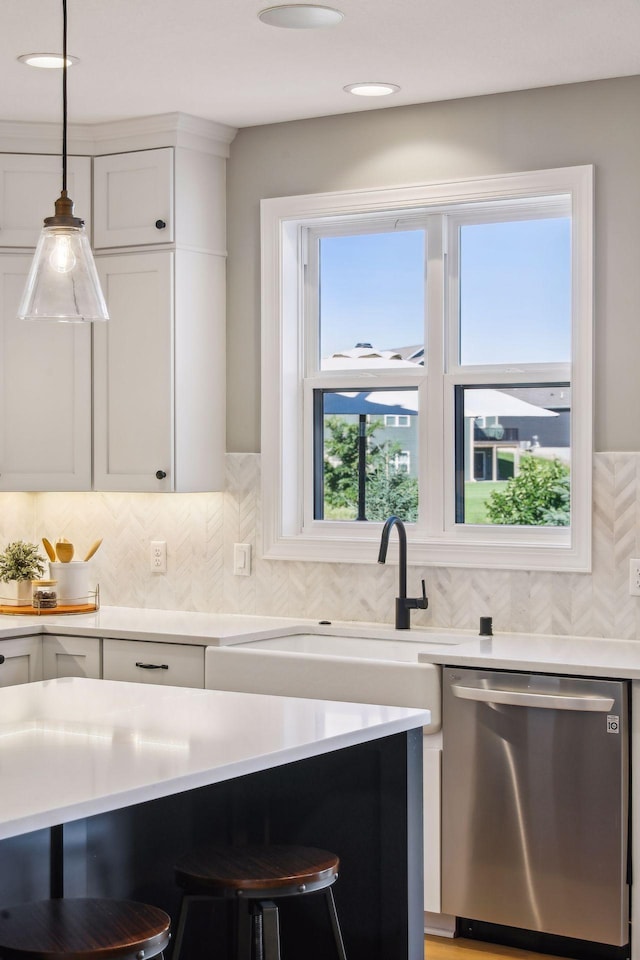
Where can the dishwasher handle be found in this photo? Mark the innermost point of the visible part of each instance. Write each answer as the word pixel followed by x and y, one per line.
pixel 590 703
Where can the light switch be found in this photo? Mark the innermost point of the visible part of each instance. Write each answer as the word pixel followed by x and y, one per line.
pixel 242 559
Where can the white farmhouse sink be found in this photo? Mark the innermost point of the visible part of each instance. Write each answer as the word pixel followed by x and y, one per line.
pixel 371 648
pixel 355 669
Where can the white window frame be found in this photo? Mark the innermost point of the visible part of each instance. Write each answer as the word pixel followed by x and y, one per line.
pixel 393 420
pixel 290 374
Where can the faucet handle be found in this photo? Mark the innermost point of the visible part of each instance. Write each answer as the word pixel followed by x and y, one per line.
pixel 424 602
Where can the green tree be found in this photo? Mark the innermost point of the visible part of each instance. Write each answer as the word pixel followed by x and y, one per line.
pixel 395 493
pixel 387 491
pixel 540 495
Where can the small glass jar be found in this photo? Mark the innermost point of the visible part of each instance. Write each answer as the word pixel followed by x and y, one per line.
pixel 44 594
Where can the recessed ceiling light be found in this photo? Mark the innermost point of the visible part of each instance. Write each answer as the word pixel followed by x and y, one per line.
pixel 372 89
pixel 46 61
pixel 300 16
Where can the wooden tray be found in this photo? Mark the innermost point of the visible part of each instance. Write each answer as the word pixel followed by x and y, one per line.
pixel 30 611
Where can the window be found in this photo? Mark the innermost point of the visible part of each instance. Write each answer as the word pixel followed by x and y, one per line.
pixel 397 420
pixel 427 352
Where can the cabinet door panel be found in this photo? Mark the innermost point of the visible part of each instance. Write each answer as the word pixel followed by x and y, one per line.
pixel 22 660
pixel 29 186
pixel 71 657
pixel 45 394
pixel 142 661
pixel 133 374
pixel 132 193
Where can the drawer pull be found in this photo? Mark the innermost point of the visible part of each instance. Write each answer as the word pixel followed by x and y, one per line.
pixel 1 657
pixel 153 666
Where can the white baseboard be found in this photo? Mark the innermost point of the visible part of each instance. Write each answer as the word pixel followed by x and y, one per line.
pixel 439 924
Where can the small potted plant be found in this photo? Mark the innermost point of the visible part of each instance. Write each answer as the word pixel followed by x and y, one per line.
pixel 19 565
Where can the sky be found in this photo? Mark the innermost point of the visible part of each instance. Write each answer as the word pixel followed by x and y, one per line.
pixel 515 291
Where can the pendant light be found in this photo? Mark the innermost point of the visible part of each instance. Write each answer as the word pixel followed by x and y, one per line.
pixel 63 281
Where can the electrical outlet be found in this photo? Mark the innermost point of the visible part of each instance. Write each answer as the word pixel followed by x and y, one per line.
pixel 158 556
pixel 634 578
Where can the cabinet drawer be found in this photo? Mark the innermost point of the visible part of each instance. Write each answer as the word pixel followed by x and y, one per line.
pixel 71 657
pixel 142 661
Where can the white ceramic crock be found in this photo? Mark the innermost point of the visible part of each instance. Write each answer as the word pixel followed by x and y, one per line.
pixel 73 581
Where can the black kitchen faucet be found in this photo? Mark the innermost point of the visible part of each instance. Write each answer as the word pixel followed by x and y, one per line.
pixel 404 604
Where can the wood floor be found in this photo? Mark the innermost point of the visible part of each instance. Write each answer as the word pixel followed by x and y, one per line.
pixel 441 948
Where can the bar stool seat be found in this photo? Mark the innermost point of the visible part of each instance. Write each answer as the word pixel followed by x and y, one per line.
pixel 83 929
pixel 260 875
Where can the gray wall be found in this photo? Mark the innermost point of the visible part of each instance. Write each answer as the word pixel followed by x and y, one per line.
pixel 555 126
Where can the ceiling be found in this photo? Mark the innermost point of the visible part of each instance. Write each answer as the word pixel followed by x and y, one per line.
pixel 215 59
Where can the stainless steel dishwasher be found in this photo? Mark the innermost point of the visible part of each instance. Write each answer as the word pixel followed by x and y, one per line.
pixel 535 802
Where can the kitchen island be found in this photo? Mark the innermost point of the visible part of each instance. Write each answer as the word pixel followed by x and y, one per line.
pixel 138 773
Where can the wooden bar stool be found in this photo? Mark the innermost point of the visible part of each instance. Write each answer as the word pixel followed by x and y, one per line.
pixel 254 877
pixel 83 929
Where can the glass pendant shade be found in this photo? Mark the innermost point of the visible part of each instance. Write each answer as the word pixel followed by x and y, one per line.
pixel 63 281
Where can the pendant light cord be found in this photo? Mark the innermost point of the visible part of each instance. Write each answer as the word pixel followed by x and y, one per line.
pixel 64 95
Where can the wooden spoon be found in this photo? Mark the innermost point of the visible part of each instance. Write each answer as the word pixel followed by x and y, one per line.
pixel 51 553
pixel 92 549
pixel 64 549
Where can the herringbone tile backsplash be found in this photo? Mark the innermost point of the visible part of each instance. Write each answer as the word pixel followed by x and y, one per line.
pixel 200 530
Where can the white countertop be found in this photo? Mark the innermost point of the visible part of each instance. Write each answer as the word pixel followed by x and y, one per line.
pixel 172 626
pixel 587 656
pixel 72 748
pixel 583 656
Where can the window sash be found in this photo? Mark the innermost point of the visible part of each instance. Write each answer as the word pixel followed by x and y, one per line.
pixel 547 208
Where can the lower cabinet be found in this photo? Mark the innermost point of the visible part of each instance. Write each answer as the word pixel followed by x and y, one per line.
pixel 50 657
pixel 22 661
pixel 142 661
pixel 71 657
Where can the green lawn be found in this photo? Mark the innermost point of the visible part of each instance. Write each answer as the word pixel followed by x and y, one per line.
pixel 475 497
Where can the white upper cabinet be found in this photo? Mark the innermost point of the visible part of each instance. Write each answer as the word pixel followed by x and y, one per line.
pixel 45 394
pixel 136 403
pixel 30 184
pixel 133 374
pixel 159 373
pixel 159 362
pixel 133 198
pixel 45 368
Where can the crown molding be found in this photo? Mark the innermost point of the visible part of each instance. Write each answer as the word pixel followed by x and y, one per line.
pixel 119 136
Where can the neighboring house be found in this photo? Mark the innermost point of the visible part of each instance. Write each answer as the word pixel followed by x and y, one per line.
pixel 495 442
pixel 500 441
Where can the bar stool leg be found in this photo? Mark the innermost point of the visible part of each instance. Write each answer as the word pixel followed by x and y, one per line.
pixel 335 924
pixel 270 930
pixel 182 921
pixel 257 943
pixel 244 929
